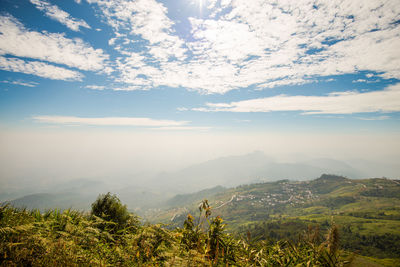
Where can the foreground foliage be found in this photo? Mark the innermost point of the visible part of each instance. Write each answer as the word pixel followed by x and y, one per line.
pixel 71 238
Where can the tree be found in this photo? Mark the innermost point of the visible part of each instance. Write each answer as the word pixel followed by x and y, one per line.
pixel 109 208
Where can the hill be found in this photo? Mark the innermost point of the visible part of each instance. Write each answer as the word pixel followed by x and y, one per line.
pixel 367 210
pixel 185 199
pixel 79 193
pixel 153 191
pixel 47 201
pixel 249 168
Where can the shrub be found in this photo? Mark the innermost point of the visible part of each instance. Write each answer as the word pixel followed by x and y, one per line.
pixel 109 208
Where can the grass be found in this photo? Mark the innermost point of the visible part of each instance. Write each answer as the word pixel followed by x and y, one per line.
pixel 71 238
pixel 364 261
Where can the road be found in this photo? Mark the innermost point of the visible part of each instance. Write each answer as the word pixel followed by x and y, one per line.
pixel 223 204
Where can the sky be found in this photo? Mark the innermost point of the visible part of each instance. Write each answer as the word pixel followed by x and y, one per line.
pixel 95 86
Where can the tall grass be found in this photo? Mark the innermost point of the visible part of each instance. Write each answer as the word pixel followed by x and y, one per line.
pixel 72 238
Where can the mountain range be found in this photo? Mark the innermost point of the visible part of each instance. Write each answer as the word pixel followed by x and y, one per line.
pixel 151 192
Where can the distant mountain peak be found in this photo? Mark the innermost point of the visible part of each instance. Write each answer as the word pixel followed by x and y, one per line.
pixel 332 177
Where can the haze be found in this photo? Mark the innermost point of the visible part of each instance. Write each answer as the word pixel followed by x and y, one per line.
pixel 41 158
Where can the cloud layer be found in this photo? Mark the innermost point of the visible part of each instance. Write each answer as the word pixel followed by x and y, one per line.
pixel 109 121
pixel 253 43
pixel 54 12
pixel 236 44
pixel 22 83
pixel 40 69
pixel 18 41
pixel 350 102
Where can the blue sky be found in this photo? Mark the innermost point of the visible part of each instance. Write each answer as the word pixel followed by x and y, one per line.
pixel 200 63
pixel 214 66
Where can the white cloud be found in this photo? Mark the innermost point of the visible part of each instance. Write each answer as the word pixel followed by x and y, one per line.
pixel 22 83
pixel 59 15
pixel 254 43
pixel 359 81
pixel 225 40
pixel 294 81
pixel 147 19
pixel 387 100
pixel 184 128
pixel 129 88
pixel 78 1
pixel 109 121
pixel 40 69
pixel 16 40
pixel 379 118
pixel 95 87
pixel 365 81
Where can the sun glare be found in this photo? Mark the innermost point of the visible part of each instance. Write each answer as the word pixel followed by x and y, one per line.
pixel 200 4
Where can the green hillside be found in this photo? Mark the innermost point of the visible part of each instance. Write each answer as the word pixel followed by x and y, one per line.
pixel 367 211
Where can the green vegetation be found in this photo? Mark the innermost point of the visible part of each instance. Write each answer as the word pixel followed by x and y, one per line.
pixel 282 223
pixel 116 216
pixel 366 211
pixel 184 199
pixel 70 238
